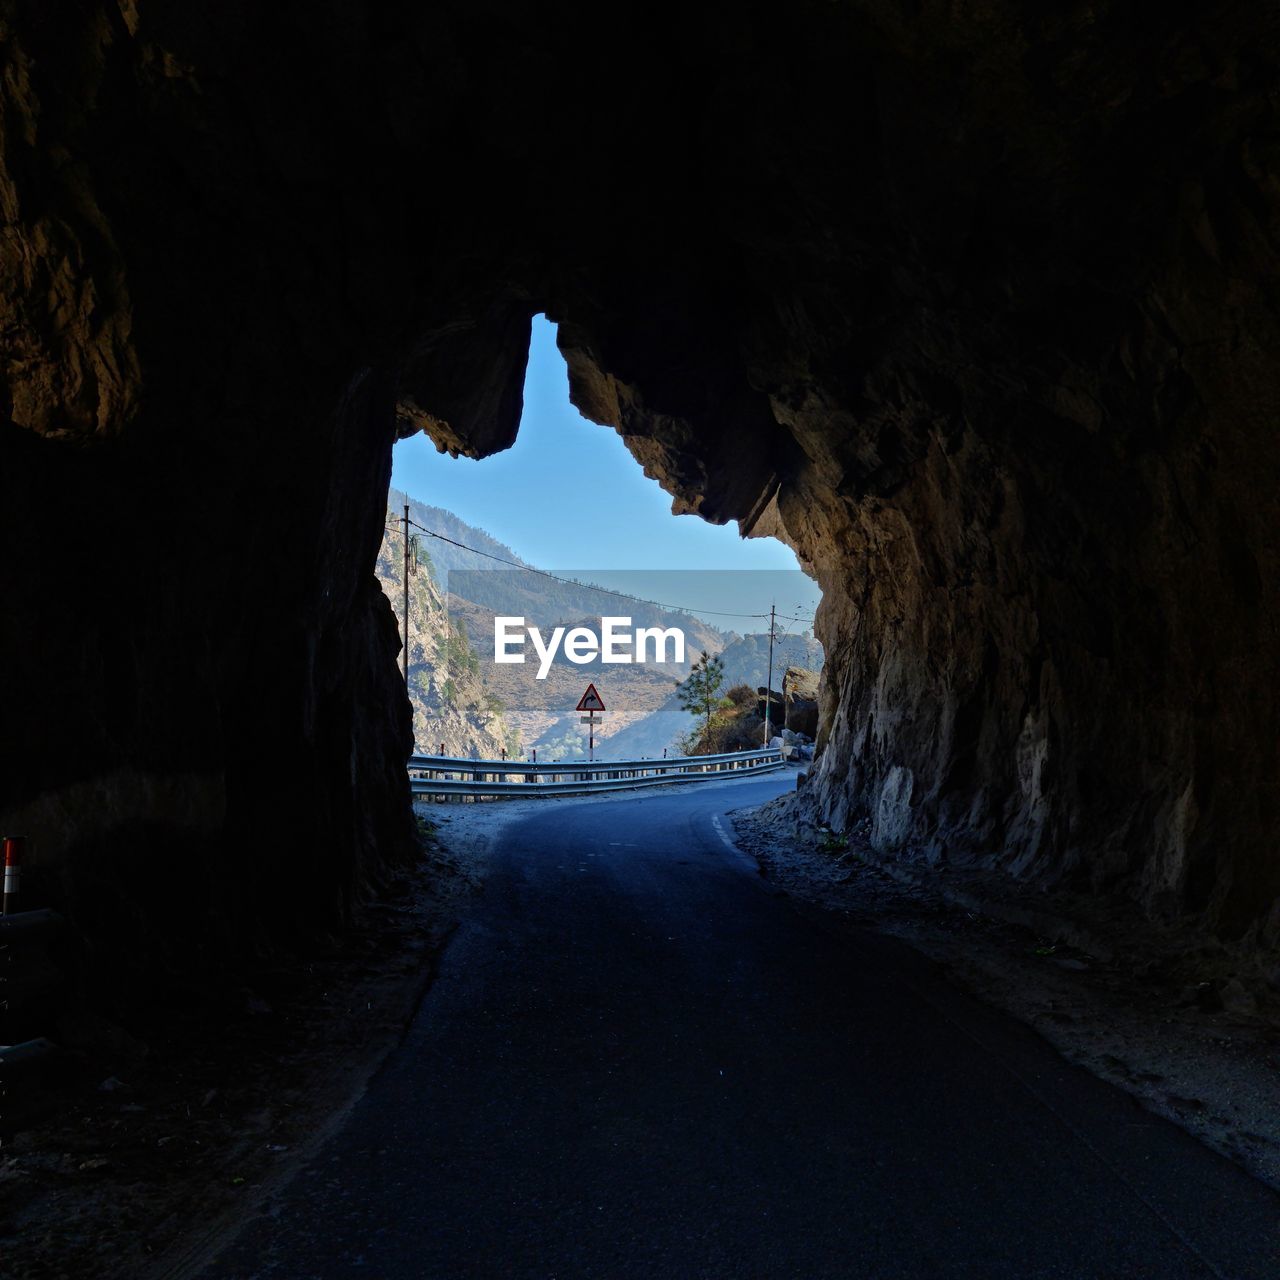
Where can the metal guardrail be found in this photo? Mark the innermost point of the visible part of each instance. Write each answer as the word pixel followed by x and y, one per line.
pixel 456 776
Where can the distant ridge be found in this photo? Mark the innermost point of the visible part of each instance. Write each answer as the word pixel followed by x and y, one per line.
pixel 472 705
pixel 507 590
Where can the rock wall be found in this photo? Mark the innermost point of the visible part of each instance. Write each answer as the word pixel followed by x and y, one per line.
pixel 976 307
pixel 452 709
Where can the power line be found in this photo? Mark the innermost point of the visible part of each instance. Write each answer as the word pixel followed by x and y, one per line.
pixel 406 598
pixel 768 682
pixel 586 586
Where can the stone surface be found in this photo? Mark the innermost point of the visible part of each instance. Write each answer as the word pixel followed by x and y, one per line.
pixel 800 689
pixel 976 307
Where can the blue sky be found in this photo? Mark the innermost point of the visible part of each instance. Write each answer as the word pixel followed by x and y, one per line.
pixel 568 496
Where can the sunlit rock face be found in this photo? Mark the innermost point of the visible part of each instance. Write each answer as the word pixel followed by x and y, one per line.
pixel 977 310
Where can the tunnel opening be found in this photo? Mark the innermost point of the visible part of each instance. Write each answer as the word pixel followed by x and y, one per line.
pixel 598 550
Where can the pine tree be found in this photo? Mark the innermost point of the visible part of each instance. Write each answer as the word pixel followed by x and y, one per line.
pixel 700 693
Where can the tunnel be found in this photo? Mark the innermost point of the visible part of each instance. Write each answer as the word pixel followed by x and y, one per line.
pixel 972 305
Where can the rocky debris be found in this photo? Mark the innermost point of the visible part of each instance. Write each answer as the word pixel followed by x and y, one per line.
pixel 796 746
pixel 800 696
pixel 801 683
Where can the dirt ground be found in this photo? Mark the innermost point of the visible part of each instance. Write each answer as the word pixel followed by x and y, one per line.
pixel 199 1113
pixel 1180 1021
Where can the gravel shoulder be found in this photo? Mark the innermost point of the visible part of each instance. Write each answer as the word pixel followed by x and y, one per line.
pixel 1185 1024
pixel 159 1138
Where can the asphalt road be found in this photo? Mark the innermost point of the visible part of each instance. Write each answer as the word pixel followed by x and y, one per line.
pixel 637 1061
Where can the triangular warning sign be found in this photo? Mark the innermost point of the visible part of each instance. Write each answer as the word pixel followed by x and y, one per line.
pixel 591 700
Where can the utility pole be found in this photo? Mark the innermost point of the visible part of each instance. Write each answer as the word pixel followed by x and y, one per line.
pixel 404 654
pixel 768 684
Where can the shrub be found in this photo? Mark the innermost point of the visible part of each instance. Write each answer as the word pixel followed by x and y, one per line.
pixel 729 731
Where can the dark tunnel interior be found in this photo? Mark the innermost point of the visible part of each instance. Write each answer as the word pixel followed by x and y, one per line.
pixel 975 308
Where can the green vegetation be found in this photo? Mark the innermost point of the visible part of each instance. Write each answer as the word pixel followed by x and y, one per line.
pixel 700 693
pixel 734 726
pixel 422 557
pixel 453 649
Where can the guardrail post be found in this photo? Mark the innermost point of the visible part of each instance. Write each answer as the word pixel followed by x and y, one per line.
pixel 14 847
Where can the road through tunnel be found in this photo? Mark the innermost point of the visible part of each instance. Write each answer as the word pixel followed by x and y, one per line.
pixel 975 310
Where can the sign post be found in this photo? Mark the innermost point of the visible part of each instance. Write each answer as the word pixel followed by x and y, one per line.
pixel 590 702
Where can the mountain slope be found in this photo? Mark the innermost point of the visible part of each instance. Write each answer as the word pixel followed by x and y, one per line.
pixel 462 699
pixel 452 708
